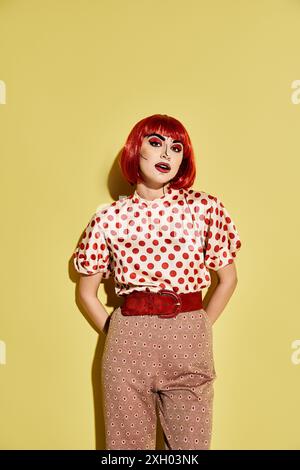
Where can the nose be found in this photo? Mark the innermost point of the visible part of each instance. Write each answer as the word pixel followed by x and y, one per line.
pixel 165 152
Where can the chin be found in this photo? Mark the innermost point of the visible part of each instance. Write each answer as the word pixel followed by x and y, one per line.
pixel 160 181
pixel 156 178
pixel 166 176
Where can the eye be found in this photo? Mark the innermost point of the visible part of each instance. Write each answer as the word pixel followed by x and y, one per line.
pixel 177 148
pixel 154 141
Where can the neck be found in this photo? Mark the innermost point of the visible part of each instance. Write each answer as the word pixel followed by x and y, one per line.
pixel 150 193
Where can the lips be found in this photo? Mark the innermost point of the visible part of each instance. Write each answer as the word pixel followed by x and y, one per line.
pixel 163 167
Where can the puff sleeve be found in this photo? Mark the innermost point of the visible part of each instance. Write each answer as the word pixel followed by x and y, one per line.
pixel 222 238
pixel 92 254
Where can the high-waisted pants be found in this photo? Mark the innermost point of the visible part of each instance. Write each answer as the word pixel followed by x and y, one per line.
pixel 150 362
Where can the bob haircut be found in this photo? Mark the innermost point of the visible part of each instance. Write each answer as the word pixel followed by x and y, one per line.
pixel 166 125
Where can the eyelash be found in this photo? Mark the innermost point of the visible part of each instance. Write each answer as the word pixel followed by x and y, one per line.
pixel 157 142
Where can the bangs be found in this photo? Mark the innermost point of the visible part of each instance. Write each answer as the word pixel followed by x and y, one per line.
pixel 163 125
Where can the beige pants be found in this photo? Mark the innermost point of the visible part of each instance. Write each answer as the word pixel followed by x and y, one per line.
pixel 165 363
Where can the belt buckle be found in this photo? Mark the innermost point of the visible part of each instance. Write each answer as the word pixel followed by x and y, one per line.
pixel 173 294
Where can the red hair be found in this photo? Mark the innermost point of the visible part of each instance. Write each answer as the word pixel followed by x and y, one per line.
pixel 166 125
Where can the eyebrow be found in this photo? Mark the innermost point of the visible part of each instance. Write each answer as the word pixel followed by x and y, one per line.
pixel 163 138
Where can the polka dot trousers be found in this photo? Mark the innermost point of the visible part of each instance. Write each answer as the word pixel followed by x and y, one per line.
pixel 152 364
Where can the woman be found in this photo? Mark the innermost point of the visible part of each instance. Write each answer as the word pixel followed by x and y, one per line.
pixel 159 243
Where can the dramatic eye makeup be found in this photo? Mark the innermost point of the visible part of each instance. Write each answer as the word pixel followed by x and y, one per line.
pixel 157 138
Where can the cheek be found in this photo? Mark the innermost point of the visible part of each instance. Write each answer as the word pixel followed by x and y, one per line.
pixel 145 155
pixel 145 164
pixel 177 164
pixel 147 151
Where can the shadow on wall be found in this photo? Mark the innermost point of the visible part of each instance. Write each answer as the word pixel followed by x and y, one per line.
pixel 117 186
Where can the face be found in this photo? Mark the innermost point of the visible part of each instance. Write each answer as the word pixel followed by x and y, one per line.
pixel 160 159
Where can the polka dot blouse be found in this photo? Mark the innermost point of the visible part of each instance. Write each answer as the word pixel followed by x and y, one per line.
pixel 170 242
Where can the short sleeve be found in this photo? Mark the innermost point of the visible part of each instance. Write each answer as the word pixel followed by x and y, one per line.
pixel 92 254
pixel 222 238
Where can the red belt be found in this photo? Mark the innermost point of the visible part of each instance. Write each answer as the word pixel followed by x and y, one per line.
pixel 164 303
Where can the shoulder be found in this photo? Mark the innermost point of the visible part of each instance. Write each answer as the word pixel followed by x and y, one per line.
pixel 106 213
pixel 200 198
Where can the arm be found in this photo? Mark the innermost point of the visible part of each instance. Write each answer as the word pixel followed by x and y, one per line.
pixel 88 288
pixel 224 290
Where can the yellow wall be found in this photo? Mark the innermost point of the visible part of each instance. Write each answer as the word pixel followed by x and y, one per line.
pixel 75 77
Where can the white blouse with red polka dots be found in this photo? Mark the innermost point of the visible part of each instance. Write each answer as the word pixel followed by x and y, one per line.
pixel 170 242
